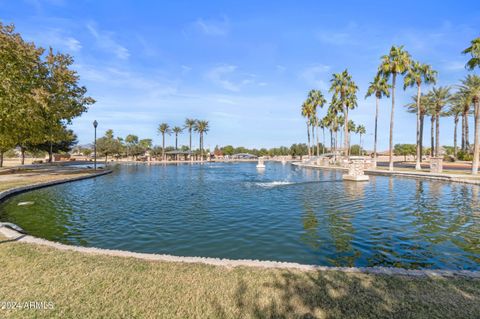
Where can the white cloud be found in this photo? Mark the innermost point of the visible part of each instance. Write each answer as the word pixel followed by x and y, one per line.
pixel 56 39
pixel 213 27
pixel 218 76
pixel 105 41
pixel 316 75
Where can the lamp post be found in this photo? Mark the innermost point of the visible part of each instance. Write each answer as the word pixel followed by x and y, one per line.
pixel 95 124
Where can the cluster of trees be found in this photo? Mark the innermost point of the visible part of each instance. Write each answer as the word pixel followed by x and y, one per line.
pixel 439 101
pixel 344 98
pixel 132 146
pixel 191 125
pixel 39 96
pixel 300 149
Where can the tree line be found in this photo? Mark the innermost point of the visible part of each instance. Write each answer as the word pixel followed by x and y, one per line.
pixel 439 101
pixel 39 96
pixel 132 146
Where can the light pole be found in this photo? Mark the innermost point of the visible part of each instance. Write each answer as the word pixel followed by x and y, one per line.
pixel 95 124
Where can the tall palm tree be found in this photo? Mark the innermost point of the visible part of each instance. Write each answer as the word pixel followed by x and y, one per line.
pixel 474 51
pixel 202 128
pixel 431 112
pixel 471 87
pixel 424 110
pixel 315 99
pixel 164 129
pixel 190 125
pixel 344 89
pixel 307 112
pixel 416 75
pixel 396 62
pixel 176 130
pixel 439 97
pixel 456 110
pixel 323 124
pixel 361 130
pixel 462 98
pixel 378 87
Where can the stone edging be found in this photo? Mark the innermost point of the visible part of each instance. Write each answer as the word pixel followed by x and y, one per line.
pixel 14 235
pixel 416 175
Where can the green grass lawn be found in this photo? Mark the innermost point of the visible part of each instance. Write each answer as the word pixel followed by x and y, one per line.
pixel 95 286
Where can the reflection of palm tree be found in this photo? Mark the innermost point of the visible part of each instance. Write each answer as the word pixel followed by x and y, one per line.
pixel 310 227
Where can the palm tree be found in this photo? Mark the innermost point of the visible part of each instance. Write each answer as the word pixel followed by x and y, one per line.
pixel 163 129
pixel 456 110
pixel 462 98
pixel 190 125
pixel 379 87
pixel 315 99
pixel 471 87
pixel 361 131
pixel 344 90
pixel 396 62
pixel 439 98
pixel 431 112
pixel 323 124
pixel 474 51
pixel 307 112
pixel 416 75
pixel 177 130
pixel 202 128
pixel 424 110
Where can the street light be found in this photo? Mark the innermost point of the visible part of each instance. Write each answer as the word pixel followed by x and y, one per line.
pixel 95 124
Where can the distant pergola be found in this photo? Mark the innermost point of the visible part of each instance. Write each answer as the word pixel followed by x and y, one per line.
pixel 179 155
pixel 244 156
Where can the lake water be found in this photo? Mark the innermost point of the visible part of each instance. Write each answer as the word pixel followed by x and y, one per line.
pixel 283 213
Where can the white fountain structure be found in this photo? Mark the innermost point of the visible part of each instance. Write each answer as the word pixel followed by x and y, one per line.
pixel 260 163
pixel 356 168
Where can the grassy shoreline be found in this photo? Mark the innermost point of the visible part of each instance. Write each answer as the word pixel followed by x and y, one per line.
pixel 92 286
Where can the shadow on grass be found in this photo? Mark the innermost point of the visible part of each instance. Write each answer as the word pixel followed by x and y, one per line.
pixel 346 295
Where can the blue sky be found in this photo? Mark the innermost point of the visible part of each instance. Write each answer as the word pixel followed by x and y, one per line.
pixel 246 66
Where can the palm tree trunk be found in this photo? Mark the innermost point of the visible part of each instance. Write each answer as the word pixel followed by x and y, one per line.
pixel 422 120
pixel 308 136
pixel 390 165
pixel 323 135
pixel 163 146
pixel 463 132
pixel 455 120
pixel 1 158
pixel 106 158
pixel 437 134
pixel 418 165
pixel 375 135
pixel 22 150
pixel 432 135
pixel 318 144
pixel 345 145
pixel 476 150
pixel 190 131
pixel 467 133
pixel 201 146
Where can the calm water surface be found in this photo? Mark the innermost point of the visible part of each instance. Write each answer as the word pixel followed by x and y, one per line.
pixel 283 213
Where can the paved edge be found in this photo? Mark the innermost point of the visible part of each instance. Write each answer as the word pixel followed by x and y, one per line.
pixel 16 236
pixel 416 175
pixel 21 189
